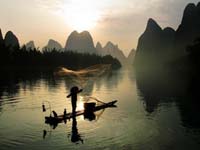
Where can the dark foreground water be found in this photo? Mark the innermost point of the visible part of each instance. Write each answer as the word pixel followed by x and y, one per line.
pixel 149 115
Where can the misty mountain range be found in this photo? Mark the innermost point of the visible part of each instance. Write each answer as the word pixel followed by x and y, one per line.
pixel 77 42
pixel 52 44
pixel 80 42
pixel 158 47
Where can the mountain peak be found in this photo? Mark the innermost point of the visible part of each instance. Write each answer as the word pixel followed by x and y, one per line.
pixel 198 5
pixel 52 41
pixel 190 14
pixel 80 42
pixel 9 33
pixel 98 45
pixel 131 56
pixel 113 50
pixel 131 53
pixel 30 45
pixel 152 25
pixel 11 40
pixel 190 6
pixel 74 32
pixel 84 33
pixel 52 44
pixel 109 44
pixel 151 21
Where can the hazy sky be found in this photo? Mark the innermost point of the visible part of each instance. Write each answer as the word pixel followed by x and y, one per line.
pixel 120 21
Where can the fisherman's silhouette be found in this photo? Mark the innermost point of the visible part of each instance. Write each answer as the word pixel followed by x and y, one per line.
pixel 74 91
pixel 55 114
pixel 75 136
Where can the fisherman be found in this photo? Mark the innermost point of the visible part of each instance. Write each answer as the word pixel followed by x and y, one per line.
pixel 74 91
pixel 54 114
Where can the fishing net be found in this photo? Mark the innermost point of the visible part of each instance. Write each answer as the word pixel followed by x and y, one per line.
pixel 83 78
pixel 92 71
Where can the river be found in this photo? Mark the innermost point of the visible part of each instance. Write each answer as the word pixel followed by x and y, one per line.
pixel 145 116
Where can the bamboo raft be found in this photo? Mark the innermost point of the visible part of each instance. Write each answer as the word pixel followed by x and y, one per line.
pixel 61 118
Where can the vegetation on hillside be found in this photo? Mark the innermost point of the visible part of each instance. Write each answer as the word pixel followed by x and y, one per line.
pixel 36 59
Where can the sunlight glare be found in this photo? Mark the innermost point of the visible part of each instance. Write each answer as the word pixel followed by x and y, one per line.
pixel 81 15
pixel 80 105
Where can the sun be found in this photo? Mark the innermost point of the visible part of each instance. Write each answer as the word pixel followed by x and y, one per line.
pixel 81 14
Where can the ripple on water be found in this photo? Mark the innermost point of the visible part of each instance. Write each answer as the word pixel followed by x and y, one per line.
pixel 5 100
pixel 124 127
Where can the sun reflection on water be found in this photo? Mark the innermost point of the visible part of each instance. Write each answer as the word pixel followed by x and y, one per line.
pixel 80 103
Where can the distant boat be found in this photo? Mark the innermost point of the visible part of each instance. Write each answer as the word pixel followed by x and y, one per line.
pixel 60 118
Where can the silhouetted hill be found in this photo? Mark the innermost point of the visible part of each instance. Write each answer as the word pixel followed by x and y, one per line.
pixel 99 48
pixel 111 49
pixel 83 43
pixel 52 44
pixel 189 29
pixel 80 42
pixel 12 57
pixel 30 45
pixel 131 56
pixel 11 40
pixel 1 39
pixel 155 46
pixel 149 43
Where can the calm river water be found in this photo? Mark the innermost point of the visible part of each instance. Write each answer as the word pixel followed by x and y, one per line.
pixel 147 116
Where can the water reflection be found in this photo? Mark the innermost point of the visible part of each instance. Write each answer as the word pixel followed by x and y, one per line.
pixel 132 127
pixel 156 89
pixel 111 79
pixel 12 82
pixel 75 136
